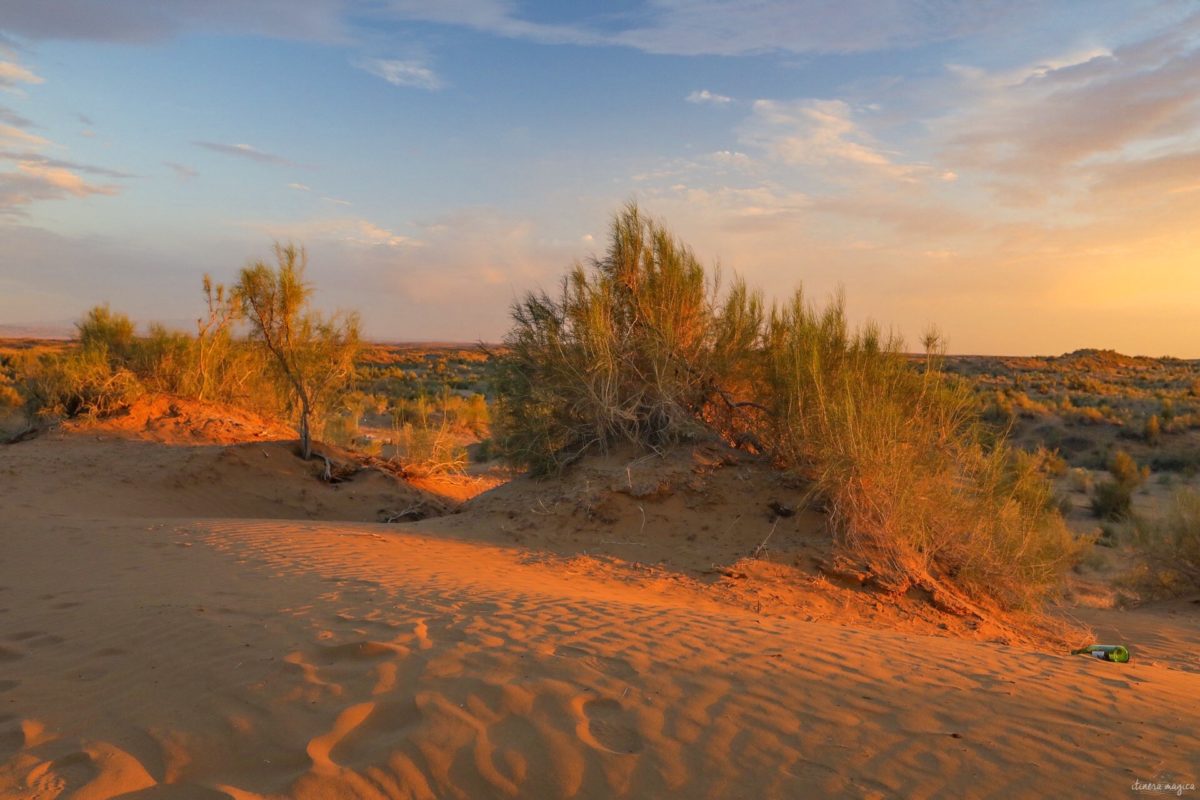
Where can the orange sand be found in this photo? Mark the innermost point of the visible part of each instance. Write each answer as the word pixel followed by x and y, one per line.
pixel 173 625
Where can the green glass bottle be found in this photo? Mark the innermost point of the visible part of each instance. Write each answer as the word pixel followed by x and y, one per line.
pixel 1105 652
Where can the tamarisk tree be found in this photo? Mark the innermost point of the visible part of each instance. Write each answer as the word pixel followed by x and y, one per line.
pixel 314 355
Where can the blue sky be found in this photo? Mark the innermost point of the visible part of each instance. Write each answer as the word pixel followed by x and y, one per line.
pixel 1026 175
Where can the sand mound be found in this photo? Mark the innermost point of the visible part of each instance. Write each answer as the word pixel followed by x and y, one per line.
pixel 172 458
pixel 719 520
pixel 178 420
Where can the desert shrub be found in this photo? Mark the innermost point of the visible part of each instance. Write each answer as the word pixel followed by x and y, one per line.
pixel 9 396
pixel 1125 470
pixel 635 348
pixel 103 329
pixel 1152 430
pixel 1087 415
pixel 642 348
pixel 94 379
pixel 1081 480
pixel 1051 462
pixel 428 447
pixel 1171 545
pixel 165 361
pixel 897 455
pixel 1113 498
pixel 312 356
pixel 476 416
pixel 83 382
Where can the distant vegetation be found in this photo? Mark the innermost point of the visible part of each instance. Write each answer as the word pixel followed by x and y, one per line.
pixel 641 346
pixel 259 346
pixel 1091 403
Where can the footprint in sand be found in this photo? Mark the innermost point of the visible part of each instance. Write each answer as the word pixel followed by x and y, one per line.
pixel 8 655
pixel 36 638
pixel 606 727
pixel 616 667
pixel 7 685
pixel 357 651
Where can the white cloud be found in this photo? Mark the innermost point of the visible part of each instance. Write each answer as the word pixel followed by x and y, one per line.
pixel 245 151
pixel 731 158
pixel 410 73
pixel 345 230
pixel 337 201
pixel 299 187
pixel 182 171
pixel 821 134
pixel 705 97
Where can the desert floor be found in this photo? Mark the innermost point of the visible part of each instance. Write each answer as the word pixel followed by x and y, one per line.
pixel 185 620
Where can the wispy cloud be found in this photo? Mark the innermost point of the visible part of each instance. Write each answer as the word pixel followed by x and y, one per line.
pixel 299 187
pixel 33 181
pixel 337 201
pixel 182 171
pixel 10 117
pixel 823 134
pixel 13 74
pixel 15 136
pixel 734 27
pixel 730 158
pixel 705 97
pixel 246 151
pixel 359 232
pixel 153 20
pixel 402 72
pixel 46 161
pixel 678 27
pixel 1042 121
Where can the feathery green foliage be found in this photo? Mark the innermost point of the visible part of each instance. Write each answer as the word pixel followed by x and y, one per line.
pixel 313 356
pixel 631 350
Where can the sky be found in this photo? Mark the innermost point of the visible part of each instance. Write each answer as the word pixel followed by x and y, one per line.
pixel 1024 175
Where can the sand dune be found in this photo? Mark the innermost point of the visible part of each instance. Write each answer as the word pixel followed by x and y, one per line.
pixel 156 652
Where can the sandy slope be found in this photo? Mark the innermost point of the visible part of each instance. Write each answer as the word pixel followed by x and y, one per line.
pixel 149 649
